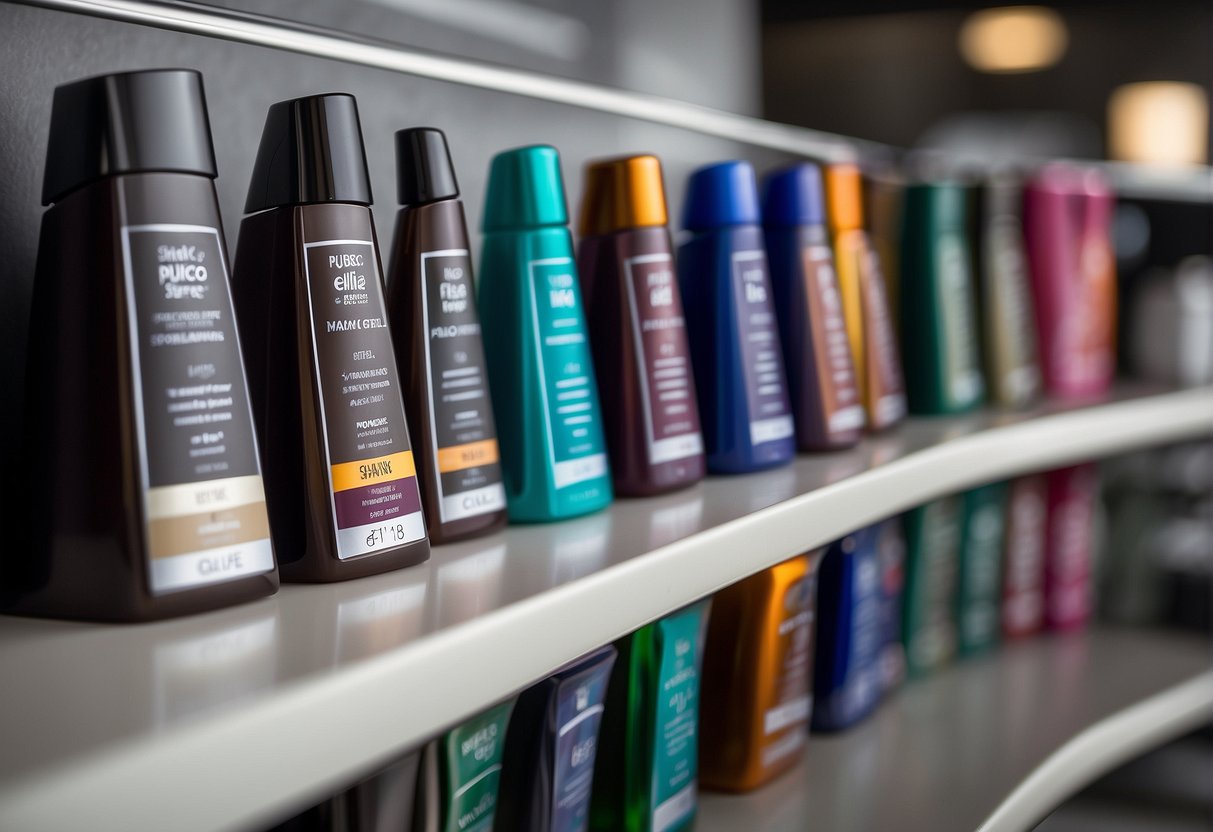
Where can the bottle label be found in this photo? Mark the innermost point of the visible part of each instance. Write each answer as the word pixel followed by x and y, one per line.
pixel 566 374
pixel 1013 328
pixel 981 556
pixel 676 723
pixel 671 418
pixel 203 500
pixel 885 395
pixel 473 767
pixel 579 706
pixel 464 437
pixel 964 381
pixel 843 410
pixel 372 478
pixel 1023 572
pixel 931 639
pixel 1068 551
pixel 864 682
pixel 762 360
pixel 791 703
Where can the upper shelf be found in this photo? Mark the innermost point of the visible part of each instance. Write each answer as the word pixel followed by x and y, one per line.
pixel 240 699
pixel 994 744
pixel 1194 183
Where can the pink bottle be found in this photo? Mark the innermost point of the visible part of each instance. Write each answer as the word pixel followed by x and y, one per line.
pixel 1024 557
pixel 1071 494
pixel 1067 227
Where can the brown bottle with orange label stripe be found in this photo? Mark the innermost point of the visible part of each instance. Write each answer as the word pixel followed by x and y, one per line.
pixel 432 312
pixel 339 469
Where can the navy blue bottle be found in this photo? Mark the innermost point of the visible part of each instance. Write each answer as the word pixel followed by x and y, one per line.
pixel 847 678
pixel 821 376
pixel 730 316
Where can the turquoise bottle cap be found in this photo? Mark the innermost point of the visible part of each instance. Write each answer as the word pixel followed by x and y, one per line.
pixel 721 195
pixel 525 190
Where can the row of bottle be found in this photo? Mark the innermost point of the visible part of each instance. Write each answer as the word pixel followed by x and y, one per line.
pixel 1002 289
pixel 722 694
pixel 202 447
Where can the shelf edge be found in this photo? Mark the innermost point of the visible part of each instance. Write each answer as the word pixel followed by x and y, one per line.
pixel 1102 747
pixel 357 715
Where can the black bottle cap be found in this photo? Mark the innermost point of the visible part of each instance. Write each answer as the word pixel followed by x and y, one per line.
pixel 424 172
pixel 129 122
pixel 311 151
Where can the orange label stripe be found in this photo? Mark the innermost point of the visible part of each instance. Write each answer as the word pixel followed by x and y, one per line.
pixel 459 457
pixel 379 469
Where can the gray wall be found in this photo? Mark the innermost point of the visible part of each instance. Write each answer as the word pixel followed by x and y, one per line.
pixel 634 43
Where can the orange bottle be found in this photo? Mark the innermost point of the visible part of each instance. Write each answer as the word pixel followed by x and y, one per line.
pixel 865 302
pixel 757 677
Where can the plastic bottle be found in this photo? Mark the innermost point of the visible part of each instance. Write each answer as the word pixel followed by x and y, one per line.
pixel 864 301
pixel 436 330
pixel 144 494
pixel 326 394
pixel 550 749
pixel 939 338
pixel 758 676
pixel 545 397
pixel 739 371
pixel 821 374
pixel 637 328
pixel 645 777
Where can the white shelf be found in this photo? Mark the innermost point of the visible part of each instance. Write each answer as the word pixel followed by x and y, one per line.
pixel 995 743
pixel 274 703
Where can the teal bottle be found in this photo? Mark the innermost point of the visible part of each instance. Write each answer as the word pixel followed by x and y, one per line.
pixel 928 609
pixel 545 398
pixel 646 776
pixel 979 585
pixel 939 343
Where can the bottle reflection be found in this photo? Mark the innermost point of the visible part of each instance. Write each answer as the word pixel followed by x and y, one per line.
pixel 354 620
pixel 215 665
pixel 468 586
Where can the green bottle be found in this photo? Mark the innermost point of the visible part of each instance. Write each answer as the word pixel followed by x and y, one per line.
pixel 545 398
pixel 979 586
pixel 939 342
pixel 460 772
pixel 928 608
pixel 646 774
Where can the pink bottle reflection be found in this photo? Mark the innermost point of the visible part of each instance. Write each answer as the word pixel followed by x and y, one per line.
pixel 1067 226
pixel 1071 494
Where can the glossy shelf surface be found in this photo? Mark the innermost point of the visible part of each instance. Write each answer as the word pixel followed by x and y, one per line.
pixel 992 743
pixel 285 700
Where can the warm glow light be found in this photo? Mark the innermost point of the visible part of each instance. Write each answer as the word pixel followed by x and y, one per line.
pixel 1160 122
pixel 1013 39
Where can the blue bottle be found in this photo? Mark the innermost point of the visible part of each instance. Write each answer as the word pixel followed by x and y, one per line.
pixel 545 398
pixel 847 677
pixel 733 332
pixel 822 382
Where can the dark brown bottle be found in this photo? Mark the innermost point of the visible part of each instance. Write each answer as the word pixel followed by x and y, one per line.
pixel 322 371
pixel 145 497
pixel 432 312
pixel 637 330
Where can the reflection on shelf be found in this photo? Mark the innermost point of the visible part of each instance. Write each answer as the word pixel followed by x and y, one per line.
pixel 229 662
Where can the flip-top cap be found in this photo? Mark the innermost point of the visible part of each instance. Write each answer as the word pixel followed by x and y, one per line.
pixel 622 193
pixel 525 190
pixel 424 172
pixel 844 196
pixel 311 151
pixel 130 122
pixel 793 197
pixel 721 195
